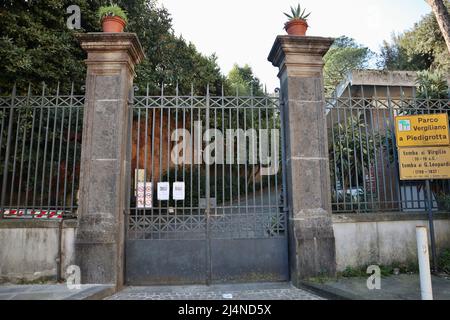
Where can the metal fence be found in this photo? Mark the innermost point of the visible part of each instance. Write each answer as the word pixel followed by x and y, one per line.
pixel 233 193
pixel 363 152
pixel 40 147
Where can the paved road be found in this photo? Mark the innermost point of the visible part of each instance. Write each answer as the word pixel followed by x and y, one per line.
pixel 260 291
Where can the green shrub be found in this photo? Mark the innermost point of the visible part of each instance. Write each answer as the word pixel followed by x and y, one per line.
pixel 431 85
pixel 443 201
pixel 386 270
pixel 351 272
pixel 443 262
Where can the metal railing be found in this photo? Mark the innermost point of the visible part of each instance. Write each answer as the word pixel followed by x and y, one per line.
pixel 226 195
pixel 363 153
pixel 40 147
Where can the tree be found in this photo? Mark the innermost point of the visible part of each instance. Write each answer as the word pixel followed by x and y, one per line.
pixel 242 80
pixel 443 18
pixel 170 59
pixel 420 48
pixel 344 55
pixel 36 46
pixel 396 57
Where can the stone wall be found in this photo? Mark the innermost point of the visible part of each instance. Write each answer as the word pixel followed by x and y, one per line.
pixel 29 249
pixel 383 239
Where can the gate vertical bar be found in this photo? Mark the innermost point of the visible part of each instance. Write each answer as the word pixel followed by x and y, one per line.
pixel 208 202
pixel 14 158
pixel 8 146
pixel 23 155
pixel 27 187
pixel 41 115
pixel 53 150
pixel 283 153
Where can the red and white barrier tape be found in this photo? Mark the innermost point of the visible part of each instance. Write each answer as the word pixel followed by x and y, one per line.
pixel 37 214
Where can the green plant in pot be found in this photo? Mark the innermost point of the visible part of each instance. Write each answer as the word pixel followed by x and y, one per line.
pixel 113 18
pixel 297 23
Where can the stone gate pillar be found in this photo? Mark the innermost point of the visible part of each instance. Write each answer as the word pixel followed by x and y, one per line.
pixel 104 177
pixel 311 237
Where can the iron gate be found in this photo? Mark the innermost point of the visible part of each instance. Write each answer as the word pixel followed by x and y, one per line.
pixel 225 154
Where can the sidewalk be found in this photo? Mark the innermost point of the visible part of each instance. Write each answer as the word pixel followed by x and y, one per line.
pixel 256 291
pixel 54 292
pixel 251 291
pixel 395 287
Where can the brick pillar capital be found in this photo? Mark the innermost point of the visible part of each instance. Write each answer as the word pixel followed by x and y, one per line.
pixel 111 49
pixel 299 56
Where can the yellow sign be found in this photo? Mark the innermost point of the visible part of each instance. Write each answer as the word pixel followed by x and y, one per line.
pixel 424 163
pixel 422 130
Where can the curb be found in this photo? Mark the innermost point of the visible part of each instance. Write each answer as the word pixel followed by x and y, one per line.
pixel 326 291
pixel 95 293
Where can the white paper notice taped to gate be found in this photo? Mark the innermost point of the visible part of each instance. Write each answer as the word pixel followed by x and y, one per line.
pixel 178 191
pixel 144 198
pixel 163 191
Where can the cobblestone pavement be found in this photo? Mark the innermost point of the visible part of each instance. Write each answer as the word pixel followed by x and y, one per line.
pixel 260 291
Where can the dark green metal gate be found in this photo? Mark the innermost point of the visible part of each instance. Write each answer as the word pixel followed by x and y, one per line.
pixel 230 226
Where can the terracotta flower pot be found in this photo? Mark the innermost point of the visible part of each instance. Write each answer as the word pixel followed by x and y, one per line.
pixel 296 27
pixel 113 24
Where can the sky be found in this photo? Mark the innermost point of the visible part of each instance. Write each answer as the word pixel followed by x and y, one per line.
pixel 243 31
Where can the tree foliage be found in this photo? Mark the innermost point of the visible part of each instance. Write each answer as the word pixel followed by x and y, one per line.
pixel 36 46
pixel 421 48
pixel 344 55
pixel 351 149
pixel 431 85
pixel 242 81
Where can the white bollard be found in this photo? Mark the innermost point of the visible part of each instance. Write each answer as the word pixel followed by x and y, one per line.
pixel 424 263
